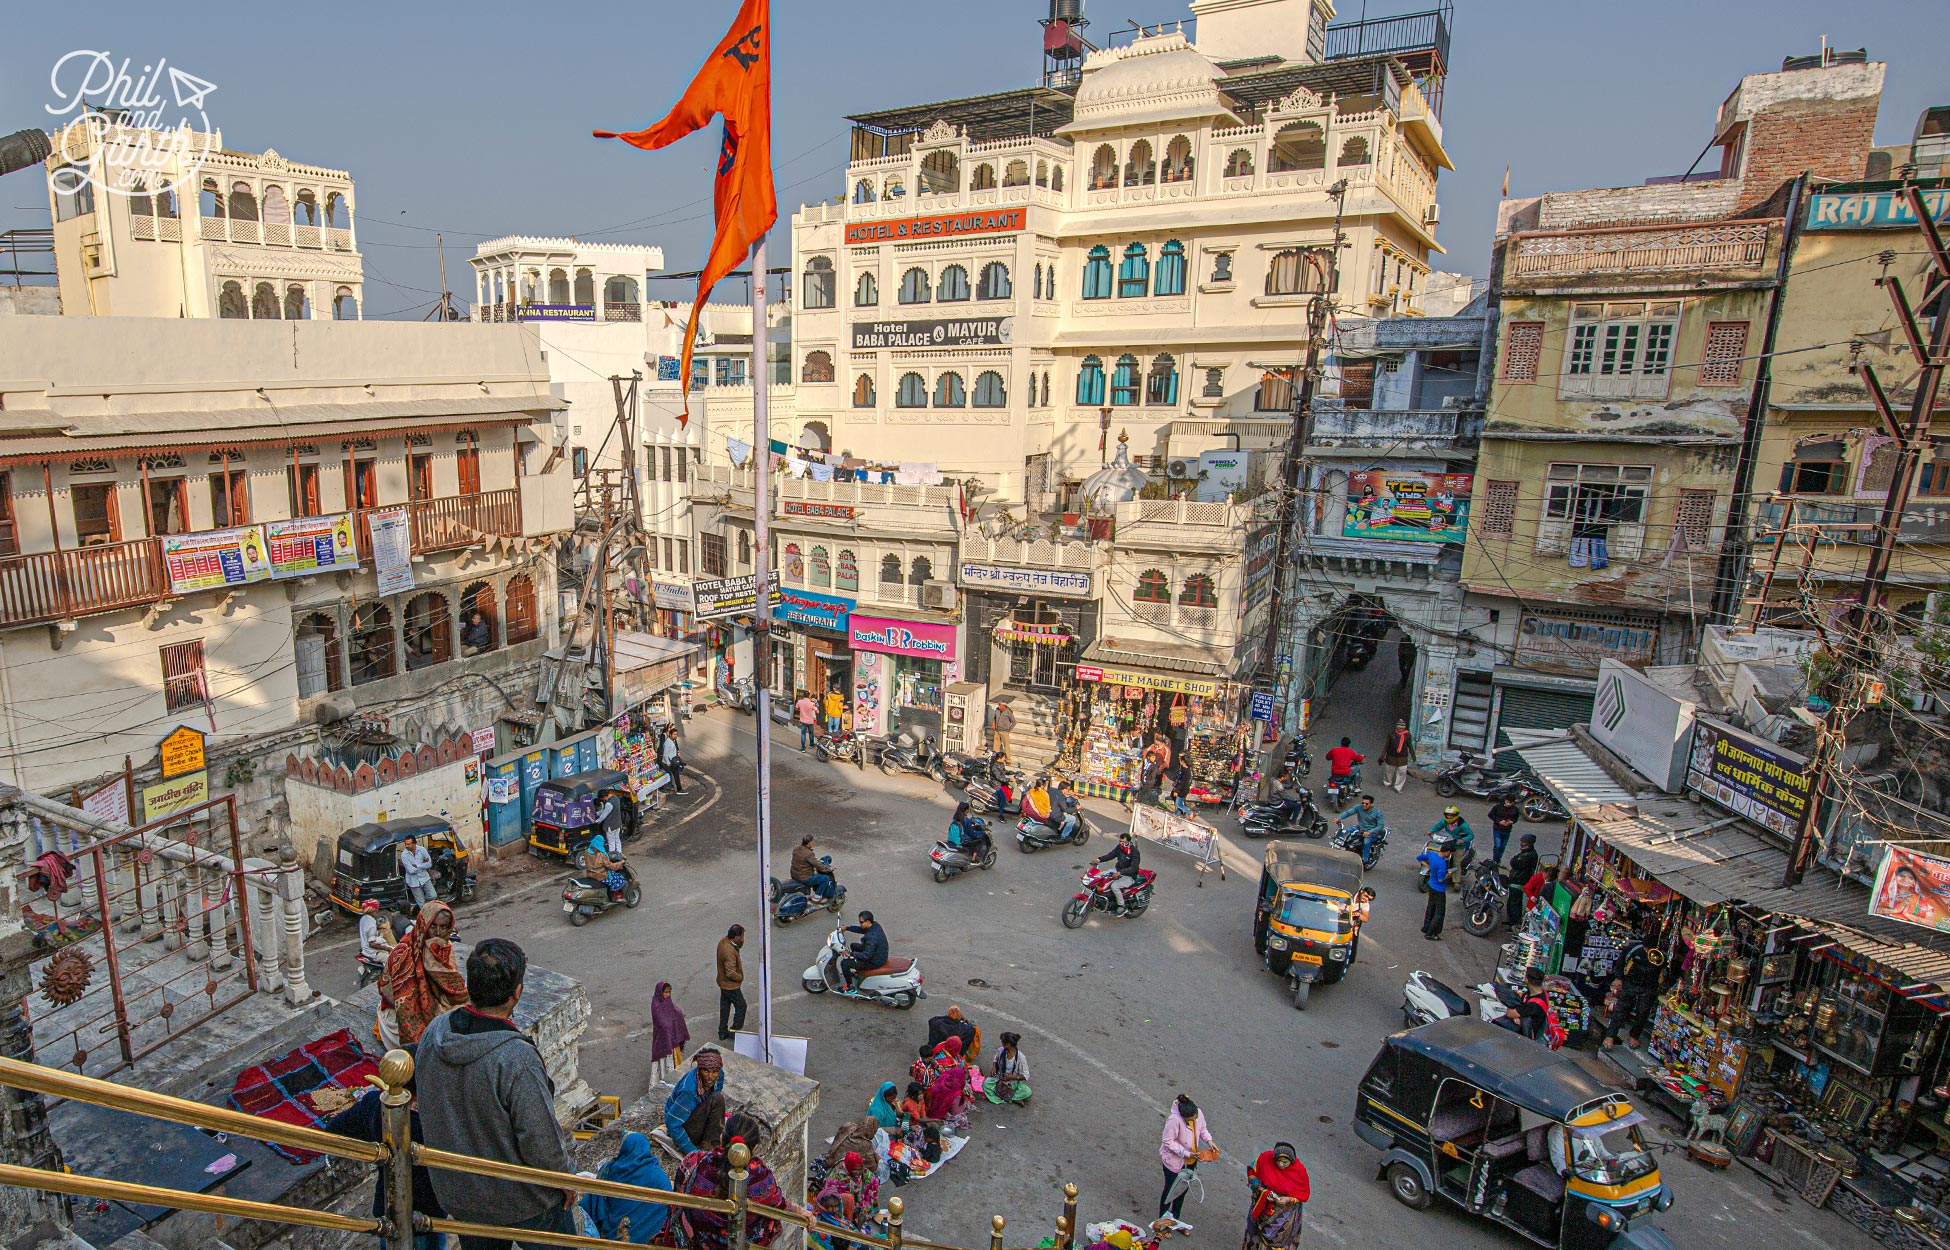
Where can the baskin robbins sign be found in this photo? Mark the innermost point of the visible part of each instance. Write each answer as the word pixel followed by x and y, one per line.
pixel 925 639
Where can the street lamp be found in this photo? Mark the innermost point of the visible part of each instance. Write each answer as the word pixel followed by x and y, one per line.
pixel 1103 436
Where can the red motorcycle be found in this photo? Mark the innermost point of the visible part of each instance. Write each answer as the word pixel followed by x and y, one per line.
pixel 1096 896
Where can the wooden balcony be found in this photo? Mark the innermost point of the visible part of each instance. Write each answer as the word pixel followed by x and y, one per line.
pixel 1738 246
pixel 62 585
pixel 461 520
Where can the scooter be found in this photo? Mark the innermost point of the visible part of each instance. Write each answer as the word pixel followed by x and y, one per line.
pixel 952 861
pixel 1359 652
pixel 1426 1000
pixel 1343 791
pixel 1486 898
pixel 1449 844
pixel 987 796
pixel 369 970
pixel 896 983
pixel 904 755
pixel 1476 775
pixel 739 694
pixel 793 899
pixel 963 769
pixel 1096 896
pixel 586 896
pixel 1298 759
pixel 1266 820
pixel 1034 835
pixel 1350 838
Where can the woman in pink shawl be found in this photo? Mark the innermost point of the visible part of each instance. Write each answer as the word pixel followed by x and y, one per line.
pixel 948 1096
pixel 668 1033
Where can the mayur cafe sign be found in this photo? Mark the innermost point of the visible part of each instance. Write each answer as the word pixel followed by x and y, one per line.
pixel 967 332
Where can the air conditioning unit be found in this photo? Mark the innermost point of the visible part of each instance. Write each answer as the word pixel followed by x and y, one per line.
pixel 938 595
pixel 1433 215
pixel 1181 470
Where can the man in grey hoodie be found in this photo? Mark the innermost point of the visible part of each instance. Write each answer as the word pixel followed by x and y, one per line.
pixel 484 1092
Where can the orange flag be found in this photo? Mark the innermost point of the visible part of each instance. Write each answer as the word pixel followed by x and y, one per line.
pixel 735 83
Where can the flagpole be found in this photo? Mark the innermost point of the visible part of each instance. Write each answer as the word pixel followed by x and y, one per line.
pixel 762 636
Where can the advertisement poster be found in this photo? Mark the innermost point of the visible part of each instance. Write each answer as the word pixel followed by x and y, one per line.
pixel 729 596
pixel 215 558
pixel 920 638
pixel 1748 776
pixel 313 544
pixel 392 549
pixel 1914 888
pixel 1419 507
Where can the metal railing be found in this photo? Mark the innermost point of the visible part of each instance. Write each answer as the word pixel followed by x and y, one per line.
pixel 398 1154
pixel 1408 32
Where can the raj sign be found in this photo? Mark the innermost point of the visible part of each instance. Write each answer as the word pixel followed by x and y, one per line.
pixel 1873 210
pixel 944 226
pixel 1748 776
pixel 972 332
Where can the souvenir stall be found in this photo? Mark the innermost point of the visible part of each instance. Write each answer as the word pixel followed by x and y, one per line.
pixel 1111 713
pixel 632 746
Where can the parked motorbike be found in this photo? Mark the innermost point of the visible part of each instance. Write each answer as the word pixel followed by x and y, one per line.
pixel 1478 776
pixel 1486 898
pixel 1359 652
pixel 896 983
pixel 987 796
pixel 1343 791
pixel 1349 838
pixel 739 694
pixel 840 746
pixel 1268 820
pixel 1034 835
pixel 904 755
pixel 964 769
pixel 1540 804
pixel 1425 1000
pixel 1298 759
pixel 1096 896
pixel 793 899
pixel 1449 844
pixel 952 861
pixel 589 895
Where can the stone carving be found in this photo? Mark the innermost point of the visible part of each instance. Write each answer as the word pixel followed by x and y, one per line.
pixel 940 132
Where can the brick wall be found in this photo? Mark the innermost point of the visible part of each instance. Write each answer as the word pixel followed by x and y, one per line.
pixel 1689 201
pixel 1829 138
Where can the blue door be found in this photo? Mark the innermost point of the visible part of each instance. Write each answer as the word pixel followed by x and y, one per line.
pixel 534 771
pixel 504 821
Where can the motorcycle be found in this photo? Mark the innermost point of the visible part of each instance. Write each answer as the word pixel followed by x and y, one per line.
pixel 1298 759
pixel 1426 1000
pixel 1449 844
pixel 952 861
pixel 1486 898
pixel 1265 820
pixel 1359 651
pixel 1342 791
pixel 793 899
pixel 1350 838
pixel 1034 835
pixel 840 746
pixel 590 895
pixel 1095 896
pixel 896 983
pixel 904 755
pixel 964 769
pixel 1540 804
pixel 1477 776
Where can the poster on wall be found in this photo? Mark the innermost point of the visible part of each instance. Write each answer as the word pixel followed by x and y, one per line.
pixel 313 544
pixel 1914 888
pixel 392 549
pixel 869 672
pixel 214 559
pixel 1418 507
pixel 1748 776
pixel 110 803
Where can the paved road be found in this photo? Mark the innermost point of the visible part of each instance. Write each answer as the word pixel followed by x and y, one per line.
pixel 1117 1017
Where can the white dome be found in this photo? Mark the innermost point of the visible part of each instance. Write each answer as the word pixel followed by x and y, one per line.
pixel 1115 483
pixel 1157 78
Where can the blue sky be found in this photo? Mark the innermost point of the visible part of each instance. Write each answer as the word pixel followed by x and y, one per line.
pixel 475 118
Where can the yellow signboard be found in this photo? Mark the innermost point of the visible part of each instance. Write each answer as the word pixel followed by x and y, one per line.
pixel 182 752
pixel 1170 684
pixel 166 798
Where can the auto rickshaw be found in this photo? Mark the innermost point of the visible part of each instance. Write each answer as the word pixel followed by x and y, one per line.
pixel 1303 923
pixel 1513 1131
pixel 368 864
pixel 567 811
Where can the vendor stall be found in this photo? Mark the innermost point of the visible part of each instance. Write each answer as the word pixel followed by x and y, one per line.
pixel 1115 711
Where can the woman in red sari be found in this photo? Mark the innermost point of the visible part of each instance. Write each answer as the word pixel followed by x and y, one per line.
pixel 1280 1192
pixel 421 980
pixel 948 1095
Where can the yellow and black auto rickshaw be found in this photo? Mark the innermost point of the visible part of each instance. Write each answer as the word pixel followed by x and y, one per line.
pixel 367 866
pixel 1512 1131
pixel 1304 922
pixel 569 811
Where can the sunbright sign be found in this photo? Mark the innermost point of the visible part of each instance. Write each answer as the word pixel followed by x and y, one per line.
pixel 946 226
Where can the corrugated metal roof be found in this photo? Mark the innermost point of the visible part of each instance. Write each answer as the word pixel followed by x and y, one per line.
pixel 1168 657
pixel 1573 776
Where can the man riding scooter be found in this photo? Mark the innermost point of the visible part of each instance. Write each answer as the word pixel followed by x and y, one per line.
pixel 868 953
pixel 807 868
pixel 599 857
pixel 1368 819
pixel 1453 834
pixel 1343 768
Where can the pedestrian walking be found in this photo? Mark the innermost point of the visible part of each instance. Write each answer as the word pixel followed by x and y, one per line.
pixel 420 980
pixel 1157 761
pixel 1405 657
pixel 1438 906
pixel 1181 787
pixel 1002 723
pixel 1396 755
pixel 1186 1142
pixel 694 1112
pixel 807 715
pixel 1280 1189
pixel 668 1033
pixel 731 981
pixel 485 1092
pixel 416 865
pixel 671 753
pixel 835 707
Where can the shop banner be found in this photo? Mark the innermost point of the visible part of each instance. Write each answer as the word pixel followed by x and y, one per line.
pixel 1567 641
pixel 869 336
pixel 1033 581
pixel 313 544
pixel 392 549
pixel 1170 683
pixel 803 607
pixel 1748 776
pixel 729 596
pixel 1873 210
pixel 819 511
pixel 1914 888
pixel 926 639
pixel 673 596
pixel 1419 507
pixel 213 559
pixel 944 226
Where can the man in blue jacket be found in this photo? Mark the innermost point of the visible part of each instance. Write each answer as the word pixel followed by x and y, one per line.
pixel 700 1090
pixel 1438 893
pixel 868 953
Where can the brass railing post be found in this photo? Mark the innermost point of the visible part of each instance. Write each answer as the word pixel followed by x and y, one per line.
pixel 896 1207
pixel 1066 1226
pixel 740 1157
pixel 396 1134
pixel 995 1232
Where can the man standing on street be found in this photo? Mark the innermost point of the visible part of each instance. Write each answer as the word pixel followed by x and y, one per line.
pixel 1396 755
pixel 835 705
pixel 672 757
pixel 731 981
pixel 1002 723
pixel 416 865
pixel 483 1091
pixel 1504 814
pixel 1433 914
pixel 807 714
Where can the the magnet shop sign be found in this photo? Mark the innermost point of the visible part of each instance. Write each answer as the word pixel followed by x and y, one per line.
pixel 944 226
pixel 971 332
pixel 1748 776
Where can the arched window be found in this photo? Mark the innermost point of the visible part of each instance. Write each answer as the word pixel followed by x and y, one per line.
pixel 1042 173
pixel 866 292
pixel 953 288
pixel 940 173
pixel 619 290
pixel 523 625
pixel 919 571
pixel 1038 289
pixel 210 199
pixel 1215 384
pixel 1198 592
pixel 994 282
pixel 296 306
pixel 264 302
pixel 814 436
pixel 818 367
pixel 1298 146
pixel 1161 383
pixel 914 286
pixel 374 656
pixel 1140 169
pixel 558 286
pixel 1170 278
pixel 316 649
pixel 243 203
pixel 817 290
pixel 1178 160
pixel 1275 394
pixel 820 572
pixel 1293 272
pixel 231 303
pixel 896 187
pixel 950 391
pixel 744 548
pixel 345 305
pixel 429 631
pixel 863 391
pixel 846 571
pixel 912 393
pixel 1103 167
pixel 307 214
pixel 337 212
pixel 1134 274
pixel 585 287
pixel 1096 273
pixel 277 210
pixel 1124 381
pixel 863 192
pixel 1016 174
pixel 989 391
pixel 890 570
pixel 1240 163
pixel 1153 587
pixel 983 179
pixel 1090 382
pixel 1355 151
pixel 477 619
pixel 1056 178
pixel 1045 388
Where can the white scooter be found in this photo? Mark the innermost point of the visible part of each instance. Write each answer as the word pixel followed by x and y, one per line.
pixel 1425 999
pixel 896 983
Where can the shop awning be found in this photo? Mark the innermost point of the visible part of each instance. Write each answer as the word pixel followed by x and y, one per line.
pixel 1169 657
pixel 1585 789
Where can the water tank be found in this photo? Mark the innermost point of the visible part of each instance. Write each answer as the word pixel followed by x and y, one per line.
pixel 1065 10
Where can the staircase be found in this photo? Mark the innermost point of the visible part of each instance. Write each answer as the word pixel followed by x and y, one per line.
pixel 1034 743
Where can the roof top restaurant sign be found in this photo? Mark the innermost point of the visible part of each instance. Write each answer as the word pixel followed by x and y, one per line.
pixel 944 226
